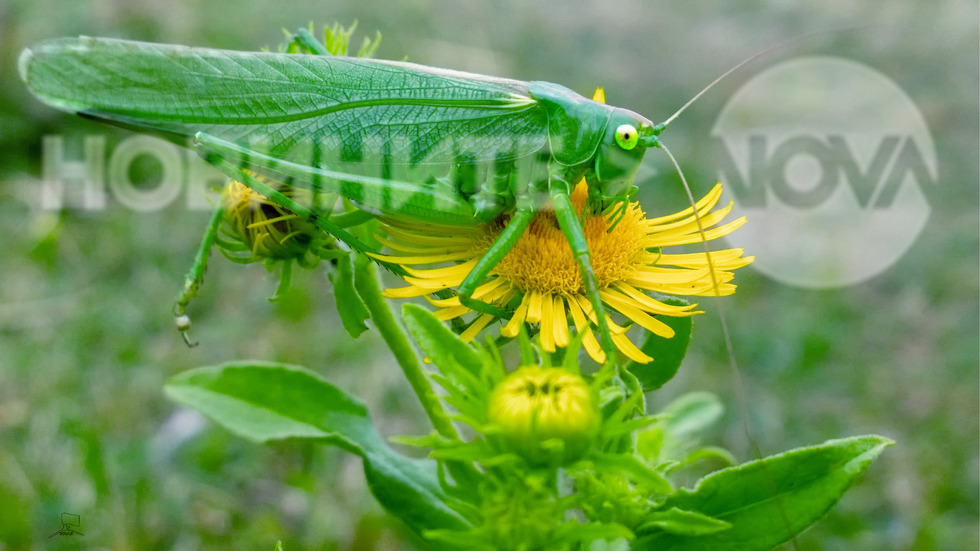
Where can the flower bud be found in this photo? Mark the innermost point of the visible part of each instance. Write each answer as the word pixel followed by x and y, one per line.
pixel 535 405
pixel 268 230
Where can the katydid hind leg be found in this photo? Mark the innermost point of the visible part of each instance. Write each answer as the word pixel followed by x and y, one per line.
pixel 378 193
pixel 498 250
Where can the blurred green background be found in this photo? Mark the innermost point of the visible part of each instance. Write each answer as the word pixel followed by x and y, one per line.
pixel 87 338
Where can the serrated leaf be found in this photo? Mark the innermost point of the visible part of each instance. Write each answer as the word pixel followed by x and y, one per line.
pixel 769 501
pixel 667 354
pixel 351 309
pixel 268 401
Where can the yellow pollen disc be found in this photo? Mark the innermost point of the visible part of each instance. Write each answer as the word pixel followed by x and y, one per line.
pixel 542 260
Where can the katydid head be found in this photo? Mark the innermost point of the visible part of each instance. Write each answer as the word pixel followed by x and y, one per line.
pixel 627 137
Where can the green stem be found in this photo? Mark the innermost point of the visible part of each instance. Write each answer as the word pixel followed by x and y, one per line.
pixel 368 286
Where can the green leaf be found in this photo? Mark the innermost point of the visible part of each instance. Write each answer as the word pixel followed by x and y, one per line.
pixel 466 374
pixel 684 418
pixel 442 347
pixel 675 438
pixel 679 521
pixel 350 307
pixel 268 401
pixel 691 413
pixel 771 500
pixel 667 354
pixel 642 473
pixel 708 453
pixel 572 533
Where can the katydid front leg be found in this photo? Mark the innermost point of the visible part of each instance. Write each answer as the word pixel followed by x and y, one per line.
pixel 571 226
pixel 195 277
pixel 498 250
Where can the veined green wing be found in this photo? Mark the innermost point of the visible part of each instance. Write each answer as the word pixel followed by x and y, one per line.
pixel 300 108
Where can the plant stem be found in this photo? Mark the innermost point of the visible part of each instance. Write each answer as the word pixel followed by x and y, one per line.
pixel 369 288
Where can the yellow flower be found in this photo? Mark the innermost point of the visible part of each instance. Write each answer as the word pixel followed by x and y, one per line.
pixel 540 271
pixel 259 229
pixel 535 404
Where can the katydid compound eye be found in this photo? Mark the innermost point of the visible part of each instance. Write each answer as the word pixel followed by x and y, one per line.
pixel 626 136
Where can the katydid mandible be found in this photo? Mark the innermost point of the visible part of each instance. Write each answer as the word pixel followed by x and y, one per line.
pixel 399 140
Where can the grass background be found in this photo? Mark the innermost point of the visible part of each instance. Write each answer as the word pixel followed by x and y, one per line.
pixel 87 341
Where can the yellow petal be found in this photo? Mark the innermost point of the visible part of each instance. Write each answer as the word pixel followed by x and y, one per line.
pixel 476 327
pixel 705 203
pixel 709 291
pixel 491 290
pixel 424 259
pixel 444 302
pixel 691 235
pixel 404 248
pixel 514 325
pixel 583 326
pixel 689 223
pixel 270 221
pixel 614 327
pixel 459 271
pixel 534 307
pixel 429 228
pixel 593 348
pixel 645 320
pixel 627 347
pixel 497 291
pixel 446 314
pixel 431 284
pixel 586 307
pixel 561 322
pixel 405 292
pixel 577 316
pixel 652 305
pixel 699 260
pixel 666 276
pixel 428 239
pixel 547 334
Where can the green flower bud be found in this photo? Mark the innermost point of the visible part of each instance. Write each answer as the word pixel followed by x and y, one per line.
pixel 536 406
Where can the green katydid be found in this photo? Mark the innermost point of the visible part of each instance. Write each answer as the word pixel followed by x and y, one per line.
pixel 397 139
